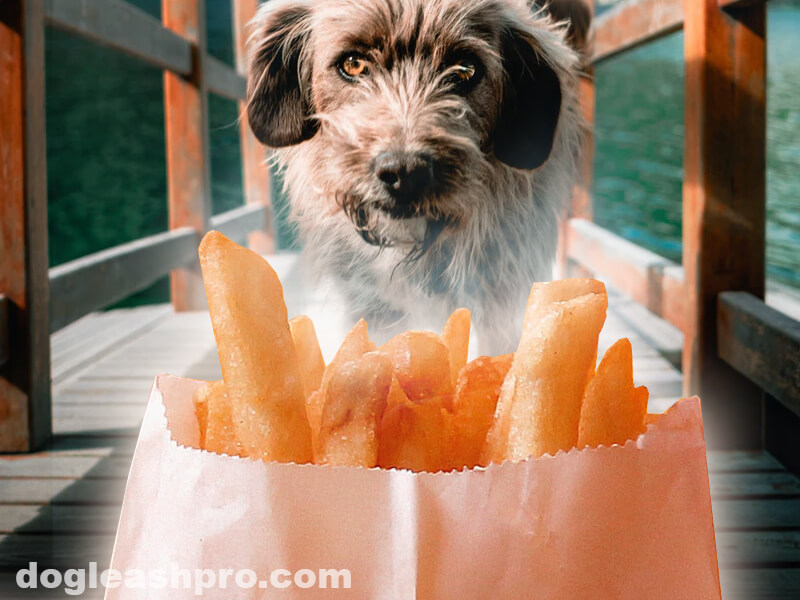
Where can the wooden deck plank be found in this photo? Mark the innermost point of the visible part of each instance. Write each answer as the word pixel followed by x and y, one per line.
pixel 64 551
pixel 90 339
pixel 754 485
pixel 758 549
pixel 59 520
pixel 755 515
pixel 760 584
pixel 89 445
pixel 742 461
pixel 66 467
pixel 61 491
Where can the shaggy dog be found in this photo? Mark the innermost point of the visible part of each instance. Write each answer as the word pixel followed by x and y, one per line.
pixel 428 148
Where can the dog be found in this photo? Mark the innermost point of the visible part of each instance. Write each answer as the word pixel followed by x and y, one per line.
pixel 428 149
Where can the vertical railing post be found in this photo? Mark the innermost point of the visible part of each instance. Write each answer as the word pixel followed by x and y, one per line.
pixel 580 206
pixel 25 408
pixel 723 202
pixel 255 172
pixel 188 161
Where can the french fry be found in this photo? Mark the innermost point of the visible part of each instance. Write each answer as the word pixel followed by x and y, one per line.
pixel 540 403
pixel 415 437
pixel 256 352
pixel 651 418
pixel 200 399
pixel 355 345
pixel 475 402
pixel 456 338
pixel 309 355
pixel 421 364
pixel 355 400
pixel 396 394
pixel 613 409
pixel 219 434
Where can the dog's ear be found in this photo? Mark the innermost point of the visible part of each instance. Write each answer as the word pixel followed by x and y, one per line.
pixel 579 15
pixel 278 86
pixel 531 105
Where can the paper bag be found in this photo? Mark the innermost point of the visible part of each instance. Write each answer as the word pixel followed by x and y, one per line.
pixel 630 522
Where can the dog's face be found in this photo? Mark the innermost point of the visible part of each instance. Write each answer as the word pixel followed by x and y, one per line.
pixel 402 108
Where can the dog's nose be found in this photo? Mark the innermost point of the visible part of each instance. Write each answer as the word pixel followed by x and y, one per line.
pixel 406 176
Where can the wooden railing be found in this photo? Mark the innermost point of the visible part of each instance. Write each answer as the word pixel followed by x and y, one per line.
pixel 736 348
pixel 35 300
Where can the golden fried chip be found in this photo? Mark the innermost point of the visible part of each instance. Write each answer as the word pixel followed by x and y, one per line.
pixel 421 364
pixel 613 410
pixel 415 437
pixel 456 338
pixel 474 406
pixel 256 351
pixel 200 399
pixel 540 403
pixel 220 434
pixel 355 401
pixel 309 355
pixel 651 418
pixel 355 345
pixel 396 394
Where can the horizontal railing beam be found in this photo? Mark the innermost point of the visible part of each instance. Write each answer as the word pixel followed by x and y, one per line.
pixel 633 23
pixel 763 344
pixel 224 80
pixel 120 25
pixel 238 223
pixel 651 280
pixel 96 281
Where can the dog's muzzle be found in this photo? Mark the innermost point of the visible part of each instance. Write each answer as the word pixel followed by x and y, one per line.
pixel 406 178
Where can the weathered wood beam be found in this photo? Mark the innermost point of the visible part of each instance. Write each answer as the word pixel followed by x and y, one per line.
pixel 724 204
pixel 255 172
pixel 93 282
pixel 124 27
pixel 633 23
pixel 188 159
pixel 651 280
pixel 238 223
pixel 5 350
pixel 761 343
pixel 224 80
pixel 25 408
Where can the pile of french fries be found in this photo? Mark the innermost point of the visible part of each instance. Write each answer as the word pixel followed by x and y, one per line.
pixel 414 403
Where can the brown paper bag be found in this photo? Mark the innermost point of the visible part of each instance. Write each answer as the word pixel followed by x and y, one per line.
pixel 630 522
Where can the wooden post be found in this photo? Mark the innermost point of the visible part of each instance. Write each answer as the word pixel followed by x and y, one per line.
pixel 581 202
pixel 255 171
pixel 188 161
pixel 582 195
pixel 723 203
pixel 25 410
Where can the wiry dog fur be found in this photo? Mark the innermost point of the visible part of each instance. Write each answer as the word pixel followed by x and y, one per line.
pixel 503 150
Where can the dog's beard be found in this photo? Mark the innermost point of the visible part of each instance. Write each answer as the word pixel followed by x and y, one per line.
pixel 414 234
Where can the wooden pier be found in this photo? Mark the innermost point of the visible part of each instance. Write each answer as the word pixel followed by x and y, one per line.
pixel 74 382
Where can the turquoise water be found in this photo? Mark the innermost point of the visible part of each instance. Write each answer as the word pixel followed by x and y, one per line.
pixel 639 133
pixel 107 165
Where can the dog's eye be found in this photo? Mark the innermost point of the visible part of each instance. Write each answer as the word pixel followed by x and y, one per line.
pixel 463 74
pixel 464 71
pixel 353 65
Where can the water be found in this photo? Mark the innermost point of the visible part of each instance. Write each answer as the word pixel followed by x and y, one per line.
pixel 639 133
pixel 107 164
